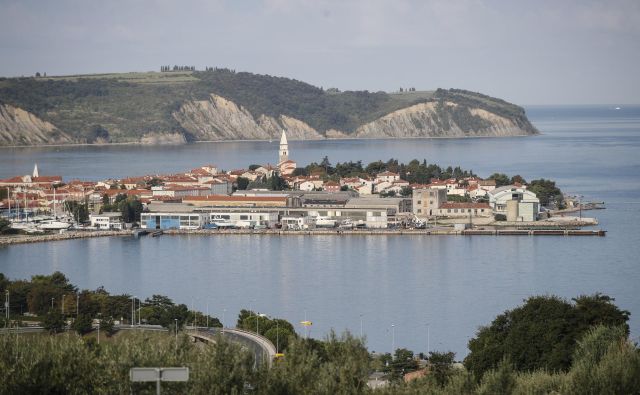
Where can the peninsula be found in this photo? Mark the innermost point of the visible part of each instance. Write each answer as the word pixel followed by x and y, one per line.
pixel 180 104
pixel 382 197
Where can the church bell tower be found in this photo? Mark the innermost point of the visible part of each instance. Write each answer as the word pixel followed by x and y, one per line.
pixel 284 148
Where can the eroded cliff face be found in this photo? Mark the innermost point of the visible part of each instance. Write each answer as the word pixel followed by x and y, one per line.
pixel 19 127
pixel 442 119
pixel 221 119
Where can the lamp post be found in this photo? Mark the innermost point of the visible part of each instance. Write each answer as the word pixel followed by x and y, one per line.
pixel 176 350
pixel 361 327
pixel 133 311
pixel 207 314
pixel 77 305
pixel 277 336
pixel 393 339
pixel 52 303
pixel 428 340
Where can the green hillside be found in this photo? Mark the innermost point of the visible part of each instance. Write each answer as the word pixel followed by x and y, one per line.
pixel 128 105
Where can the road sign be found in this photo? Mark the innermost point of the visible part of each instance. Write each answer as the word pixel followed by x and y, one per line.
pixel 158 375
pixel 144 374
pixel 174 374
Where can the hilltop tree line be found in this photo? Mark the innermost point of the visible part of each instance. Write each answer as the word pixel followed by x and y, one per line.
pixel 177 68
pixel 546 345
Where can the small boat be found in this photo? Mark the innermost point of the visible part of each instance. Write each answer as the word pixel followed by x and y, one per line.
pixel 243 224
pixel 346 224
pixel 325 222
pixel 224 224
pixel 53 225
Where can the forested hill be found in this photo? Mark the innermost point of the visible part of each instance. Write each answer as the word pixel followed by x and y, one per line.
pixel 220 104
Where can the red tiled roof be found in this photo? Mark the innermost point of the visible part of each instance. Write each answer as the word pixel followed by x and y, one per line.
pixel 235 198
pixel 47 179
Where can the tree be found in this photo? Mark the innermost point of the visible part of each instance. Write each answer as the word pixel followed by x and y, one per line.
pixel 517 179
pixel 108 326
pixel 541 334
pixel 441 364
pixel 501 179
pixel 53 322
pixel 406 191
pixel 547 192
pixel 403 362
pixel 83 324
pixel 243 183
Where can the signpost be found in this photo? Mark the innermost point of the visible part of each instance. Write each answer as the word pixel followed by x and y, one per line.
pixel 158 375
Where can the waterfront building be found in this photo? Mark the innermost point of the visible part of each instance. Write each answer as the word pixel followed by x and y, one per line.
pixel 237 201
pixel 427 201
pixel 106 221
pixel 515 202
pixel 464 210
pixel 172 220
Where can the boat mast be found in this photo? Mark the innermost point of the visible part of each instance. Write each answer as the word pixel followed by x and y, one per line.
pixel 9 200
pixel 54 201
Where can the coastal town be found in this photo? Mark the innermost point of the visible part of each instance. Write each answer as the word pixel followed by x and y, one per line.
pixel 266 197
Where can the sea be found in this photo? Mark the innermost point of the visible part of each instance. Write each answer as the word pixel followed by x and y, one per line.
pixel 421 293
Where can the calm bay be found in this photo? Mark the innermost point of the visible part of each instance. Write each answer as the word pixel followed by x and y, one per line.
pixel 452 284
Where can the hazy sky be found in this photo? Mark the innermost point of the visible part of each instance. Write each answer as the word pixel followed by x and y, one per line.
pixel 528 52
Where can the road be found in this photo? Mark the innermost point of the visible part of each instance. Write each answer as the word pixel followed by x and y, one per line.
pixel 262 349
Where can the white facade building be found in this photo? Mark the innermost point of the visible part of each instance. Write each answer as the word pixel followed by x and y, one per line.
pixel 106 221
pixel 503 201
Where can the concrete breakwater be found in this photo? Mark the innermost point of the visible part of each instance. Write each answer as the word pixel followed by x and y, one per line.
pixel 22 239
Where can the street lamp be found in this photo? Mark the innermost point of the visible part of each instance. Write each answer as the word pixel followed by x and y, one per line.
pixel 428 345
pixel 133 311
pixel 176 350
pixel 258 322
pixel 393 339
pixel 52 303
pixel 361 327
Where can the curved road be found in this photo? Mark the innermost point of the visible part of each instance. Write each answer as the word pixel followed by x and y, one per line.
pixel 260 346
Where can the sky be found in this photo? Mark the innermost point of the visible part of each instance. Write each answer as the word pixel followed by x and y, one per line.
pixel 526 52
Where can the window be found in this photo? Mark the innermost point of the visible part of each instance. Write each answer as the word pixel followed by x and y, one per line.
pixel 419 211
pixel 244 217
pixel 419 201
pixel 448 210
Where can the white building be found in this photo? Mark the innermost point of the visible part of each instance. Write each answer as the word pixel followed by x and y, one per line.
pixel 515 202
pixel 106 221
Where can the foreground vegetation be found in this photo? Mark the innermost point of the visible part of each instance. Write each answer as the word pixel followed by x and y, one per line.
pixel 546 346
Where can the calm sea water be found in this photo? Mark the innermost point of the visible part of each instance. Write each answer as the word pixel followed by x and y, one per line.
pixel 451 284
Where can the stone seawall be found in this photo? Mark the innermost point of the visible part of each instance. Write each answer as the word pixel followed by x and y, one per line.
pixel 22 239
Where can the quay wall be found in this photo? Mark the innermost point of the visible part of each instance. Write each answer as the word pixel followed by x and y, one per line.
pixel 22 239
